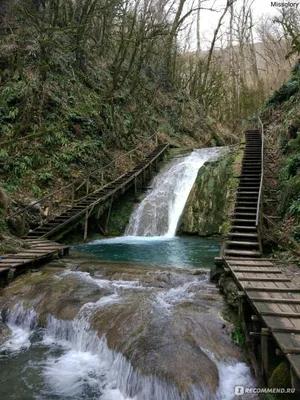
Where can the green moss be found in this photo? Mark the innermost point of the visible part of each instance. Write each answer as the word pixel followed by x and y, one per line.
pixel 120 215
pixel 211 199
pixel 281 378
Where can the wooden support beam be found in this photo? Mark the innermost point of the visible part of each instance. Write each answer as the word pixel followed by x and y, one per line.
pixel 279 352
pixel 295 379
pixel 86 222
pixel 255 335
pixel 108 215
pixel 135 187
pixel 264 353
pixel 219 261
pixel 285 330
pixel 240 306
pixel 87 185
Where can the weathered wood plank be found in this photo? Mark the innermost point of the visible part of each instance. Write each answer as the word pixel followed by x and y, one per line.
pixel 280 314
pixel 272 289
pixel 261 270
pixel 288 342
pixel 263 279
pixel 294 360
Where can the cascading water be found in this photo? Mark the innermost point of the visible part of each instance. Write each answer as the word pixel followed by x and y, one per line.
pixel 81 365
pixel 159 212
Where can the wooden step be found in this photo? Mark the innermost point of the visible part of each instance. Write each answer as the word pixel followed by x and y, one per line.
pixel 246 235
pixel 244 228
pixel 253 221
pixel 240 243
pixel 242 214
pixel 247 193
pixel 242 203
pixel 241 253
pixel 239 209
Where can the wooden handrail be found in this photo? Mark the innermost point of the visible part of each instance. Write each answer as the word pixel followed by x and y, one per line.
pixel 83 179
pixel 259 201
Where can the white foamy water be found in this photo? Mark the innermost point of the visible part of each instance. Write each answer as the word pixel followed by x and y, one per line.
pixel 21 322
pixel 81 365
pixel 167 300
pixel 231 374
pixel 159 212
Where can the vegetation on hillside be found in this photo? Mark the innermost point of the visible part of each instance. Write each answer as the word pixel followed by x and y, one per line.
pixel 87 80
pixel 282 116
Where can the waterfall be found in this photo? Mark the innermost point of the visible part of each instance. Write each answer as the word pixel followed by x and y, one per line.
pixel 21 322
pixel 159 212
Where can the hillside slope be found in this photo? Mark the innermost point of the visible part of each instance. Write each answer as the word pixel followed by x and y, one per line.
pixel 281 115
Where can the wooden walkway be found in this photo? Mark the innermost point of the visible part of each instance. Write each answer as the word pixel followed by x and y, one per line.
pixel 274 300
pixel 64 210
pixel 35 253
pixel 40 248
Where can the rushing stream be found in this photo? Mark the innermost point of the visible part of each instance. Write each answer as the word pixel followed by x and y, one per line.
pixel 130 318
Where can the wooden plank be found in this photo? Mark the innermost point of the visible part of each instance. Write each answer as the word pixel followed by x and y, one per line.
pixel 256 271
pixel 37 251
pixel 47 245
pixel 8 262
pixel 278 324
pixel 248 260
pixel 48 248
pixel 280 314
pixel 287 290
pixel 294 360
pixel 20 260
pixel 288 342
pixel 262 279
pixel 266 297
pixel 19 256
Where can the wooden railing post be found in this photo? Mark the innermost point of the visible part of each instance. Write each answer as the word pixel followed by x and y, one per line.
pixel 86 222
pixel 50 208
pixel 73 194
pixel 258 222
pixel 87 185
pixel 23 222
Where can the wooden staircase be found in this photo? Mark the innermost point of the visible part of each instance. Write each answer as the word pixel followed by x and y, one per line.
pixel 90 204
pixel 243 238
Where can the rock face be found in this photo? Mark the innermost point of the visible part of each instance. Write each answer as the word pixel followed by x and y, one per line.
pixel 211 199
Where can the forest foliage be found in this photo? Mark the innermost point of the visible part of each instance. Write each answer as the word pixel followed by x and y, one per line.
pixel 83 80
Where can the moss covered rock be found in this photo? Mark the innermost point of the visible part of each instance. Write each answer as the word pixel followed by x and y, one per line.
pixel 281 378
pixel 211 199
pixel 230 289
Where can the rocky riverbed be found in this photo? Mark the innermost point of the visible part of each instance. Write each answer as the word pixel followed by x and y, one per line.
pixel 159 325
